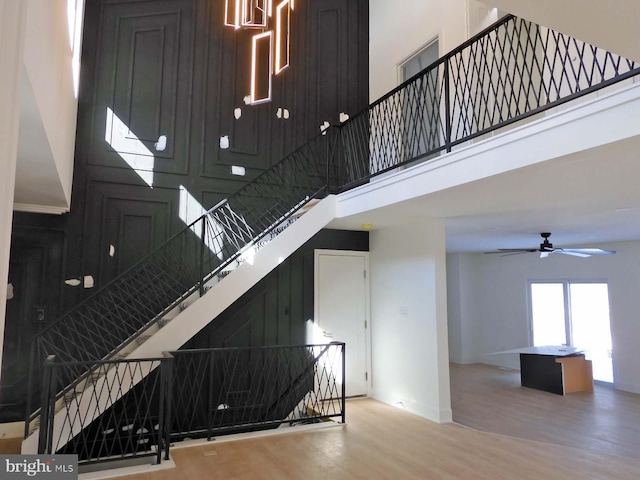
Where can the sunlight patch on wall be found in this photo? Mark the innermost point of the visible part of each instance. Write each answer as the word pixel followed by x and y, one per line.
pixel 129 147
pixel 191 210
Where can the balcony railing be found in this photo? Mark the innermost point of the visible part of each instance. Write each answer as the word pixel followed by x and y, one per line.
pixel 135 408
pixel 231 390
pixel 505 74
pixel 96 420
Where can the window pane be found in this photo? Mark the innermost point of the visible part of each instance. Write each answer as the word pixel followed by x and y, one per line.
pixel 590 326
pixel 421 61
pixel 547 312
pixel 422 124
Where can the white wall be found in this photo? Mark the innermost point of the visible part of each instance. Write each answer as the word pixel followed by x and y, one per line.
pixel 48 63
pixel 12 18
pixel 493 313
pixel 462 296
pixel 408 319
pixel 609 25
pixel 400 28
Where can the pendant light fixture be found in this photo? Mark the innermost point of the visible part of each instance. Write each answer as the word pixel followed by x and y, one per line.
pixel 270 46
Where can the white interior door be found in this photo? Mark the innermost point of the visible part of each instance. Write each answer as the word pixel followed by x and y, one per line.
pixel 341 309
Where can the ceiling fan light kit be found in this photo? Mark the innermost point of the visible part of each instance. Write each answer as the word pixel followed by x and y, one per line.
pixel 546 248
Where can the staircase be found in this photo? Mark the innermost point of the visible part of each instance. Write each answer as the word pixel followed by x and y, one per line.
pixel 506 73
pixel 165 299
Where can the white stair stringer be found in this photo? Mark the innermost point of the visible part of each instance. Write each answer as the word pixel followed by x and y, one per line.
pixel 189 321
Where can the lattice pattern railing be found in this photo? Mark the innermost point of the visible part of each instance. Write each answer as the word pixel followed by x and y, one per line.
pixel 507 73
pixel 120 411
pixel 136 408
pixel 228 390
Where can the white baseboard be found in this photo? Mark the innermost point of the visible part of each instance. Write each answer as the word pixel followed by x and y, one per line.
pixel 627 387
pixel 425 411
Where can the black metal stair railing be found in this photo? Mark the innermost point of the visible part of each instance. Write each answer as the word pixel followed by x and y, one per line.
pixel 509 72
pixel 122 411
pixel 139 407
pixel 118 313
pixel 232 390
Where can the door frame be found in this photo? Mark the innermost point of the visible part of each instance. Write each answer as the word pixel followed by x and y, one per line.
pixel 367 299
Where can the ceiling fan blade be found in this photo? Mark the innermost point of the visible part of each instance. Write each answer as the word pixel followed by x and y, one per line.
pixel 573 253
pixel 506 254
pixel 546 248
pixel 514 250
pixel 590 251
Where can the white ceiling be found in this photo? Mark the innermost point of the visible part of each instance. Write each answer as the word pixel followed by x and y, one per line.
pixel 590 199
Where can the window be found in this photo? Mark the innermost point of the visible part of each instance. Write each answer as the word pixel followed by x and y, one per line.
pixel 574 313
pixel 421 104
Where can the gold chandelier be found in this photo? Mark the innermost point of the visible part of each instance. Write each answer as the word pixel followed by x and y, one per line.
pixel 270 46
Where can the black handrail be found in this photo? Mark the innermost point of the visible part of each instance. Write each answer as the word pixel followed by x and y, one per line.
pixel 507 73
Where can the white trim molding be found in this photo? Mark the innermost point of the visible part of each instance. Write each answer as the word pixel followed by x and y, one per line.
pixel 32 208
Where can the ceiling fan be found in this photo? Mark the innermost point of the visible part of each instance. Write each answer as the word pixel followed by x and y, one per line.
pixel 546 247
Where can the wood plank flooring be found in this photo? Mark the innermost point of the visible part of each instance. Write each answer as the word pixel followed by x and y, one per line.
pixel 383 442
pixel 10 445
pixel 491 399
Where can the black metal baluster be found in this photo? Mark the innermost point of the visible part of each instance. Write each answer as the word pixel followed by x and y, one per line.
pixel 210 396
pixel 170 369
pixel 203 236
pixel 44 404
pixel 447 106
pixel 344 383
pixel 30 379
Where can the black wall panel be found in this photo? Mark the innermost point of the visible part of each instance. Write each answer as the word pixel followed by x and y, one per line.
pixel 169 67
pixel 36 265
pixel 276 310
pixel 142 85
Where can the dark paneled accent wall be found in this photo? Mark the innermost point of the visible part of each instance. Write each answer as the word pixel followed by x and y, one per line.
pixel 276 310
pixel 168 68
pixel 35 273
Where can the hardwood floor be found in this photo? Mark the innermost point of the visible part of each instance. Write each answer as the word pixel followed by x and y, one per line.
pixel 491 399
pixel 383 442
pixel 10 445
